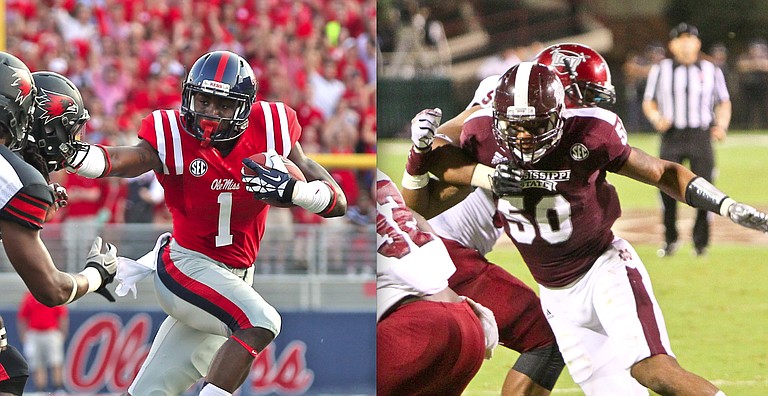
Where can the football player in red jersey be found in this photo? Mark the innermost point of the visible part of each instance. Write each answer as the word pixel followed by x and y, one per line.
pixel 27 200
pixel 429 340
pixel 558 209
pixel 204 272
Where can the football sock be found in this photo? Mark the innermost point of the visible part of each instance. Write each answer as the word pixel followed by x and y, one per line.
pixel 210 389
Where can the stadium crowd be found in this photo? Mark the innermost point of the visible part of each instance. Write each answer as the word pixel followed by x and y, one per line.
pixel 130 57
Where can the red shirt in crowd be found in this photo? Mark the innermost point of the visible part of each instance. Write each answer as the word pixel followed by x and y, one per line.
pixel 39 317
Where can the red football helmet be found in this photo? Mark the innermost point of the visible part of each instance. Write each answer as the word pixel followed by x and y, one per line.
pixel 527 105
pixel 584 73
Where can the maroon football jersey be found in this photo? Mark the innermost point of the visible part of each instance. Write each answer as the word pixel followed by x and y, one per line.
pixel 212 212
pixel 561 222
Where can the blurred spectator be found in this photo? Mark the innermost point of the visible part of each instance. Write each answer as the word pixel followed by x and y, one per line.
pixel 43 330
pixel 636 69
pixel 753 83
pixel 144 194
pixel 326 86
pixel 421 45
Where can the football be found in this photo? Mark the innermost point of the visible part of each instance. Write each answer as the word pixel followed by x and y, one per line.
pixel 261 159
pixel 293 170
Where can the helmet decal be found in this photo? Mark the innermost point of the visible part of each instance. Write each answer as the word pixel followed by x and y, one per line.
pixel 55 105
pixel 23 81
pixel 560 56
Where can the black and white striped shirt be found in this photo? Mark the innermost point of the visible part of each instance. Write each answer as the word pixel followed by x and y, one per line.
pixel 686 94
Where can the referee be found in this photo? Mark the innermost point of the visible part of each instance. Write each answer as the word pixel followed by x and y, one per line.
pixel 687 101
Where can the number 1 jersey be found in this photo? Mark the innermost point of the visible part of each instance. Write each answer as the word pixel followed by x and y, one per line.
pixel 212 212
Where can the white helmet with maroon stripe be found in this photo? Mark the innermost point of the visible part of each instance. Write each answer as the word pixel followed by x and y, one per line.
pixel 526 111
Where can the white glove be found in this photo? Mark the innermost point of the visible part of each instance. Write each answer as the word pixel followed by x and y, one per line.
pixel 423 127
pixel 105 263
pixel 747 216
pixel 490 328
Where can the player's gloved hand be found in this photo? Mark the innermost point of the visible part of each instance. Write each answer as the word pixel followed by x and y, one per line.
pixel 273 183
pixel 105 263
pixel 507 179
pixel 490 328
pixel 423 127
pixel 747 216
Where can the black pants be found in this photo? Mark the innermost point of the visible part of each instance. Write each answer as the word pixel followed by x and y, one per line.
pixel 694 145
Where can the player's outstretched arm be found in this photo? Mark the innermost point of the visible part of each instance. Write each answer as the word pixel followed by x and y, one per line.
pixel 680 183
pixel 336 204
pixel 33 263
pixel 93 161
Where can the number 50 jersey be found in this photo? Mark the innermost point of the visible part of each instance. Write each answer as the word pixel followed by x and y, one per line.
pixel 212 213
pixel 561 222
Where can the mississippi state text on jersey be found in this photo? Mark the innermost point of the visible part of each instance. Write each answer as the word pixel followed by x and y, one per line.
pixel 212 212
pixel 561 222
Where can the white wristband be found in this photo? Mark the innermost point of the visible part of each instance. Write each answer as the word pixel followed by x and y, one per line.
pixel 481 177
pixel 74 288
pixel 94 278
pixel 414 182
pixel 93 164
pixel 313 196
pixel 725 205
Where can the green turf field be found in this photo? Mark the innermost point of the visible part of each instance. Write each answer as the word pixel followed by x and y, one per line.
pixel 716 307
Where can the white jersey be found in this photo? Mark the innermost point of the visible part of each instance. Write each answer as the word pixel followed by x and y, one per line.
pixel 484 92
pixel 409 261
pixel 470 222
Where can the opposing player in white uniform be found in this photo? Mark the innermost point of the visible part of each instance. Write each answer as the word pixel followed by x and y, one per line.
pixel 429 340
pixel 217 322
pixel 558 209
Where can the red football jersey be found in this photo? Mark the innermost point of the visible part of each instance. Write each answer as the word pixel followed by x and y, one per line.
pixel 212 212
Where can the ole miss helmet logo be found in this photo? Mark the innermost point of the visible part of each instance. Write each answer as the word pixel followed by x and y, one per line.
pixel 23 81
pixel 55 105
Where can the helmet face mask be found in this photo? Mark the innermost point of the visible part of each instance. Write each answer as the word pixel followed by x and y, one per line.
pixel 526 112
pixel 222 75
pixel 529 138
pixel 60 119
pixel 584 73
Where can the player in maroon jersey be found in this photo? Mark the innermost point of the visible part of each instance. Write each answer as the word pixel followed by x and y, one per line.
pixel 469 231
pixel 205 271
pixel 548 165
pixel 429 340
pixel 27 201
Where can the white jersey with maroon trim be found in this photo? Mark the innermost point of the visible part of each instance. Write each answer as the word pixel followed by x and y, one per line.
pixel 470 222
pixel 212 212
pixel 24 194
pixel 484 92
pixel 409 261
